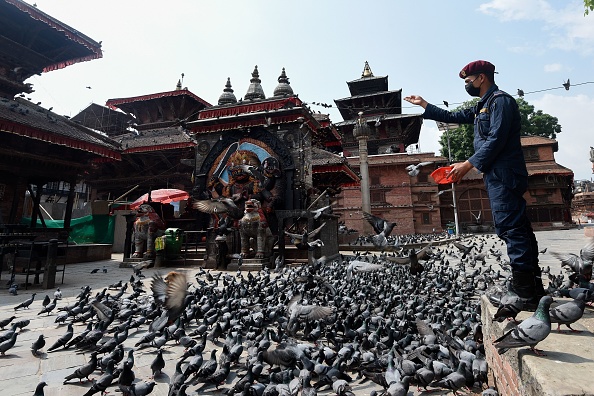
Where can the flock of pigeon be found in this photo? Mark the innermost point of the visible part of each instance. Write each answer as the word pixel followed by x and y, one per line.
pixel 380 322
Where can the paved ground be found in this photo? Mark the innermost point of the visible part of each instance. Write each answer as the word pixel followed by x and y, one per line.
pixel 20 371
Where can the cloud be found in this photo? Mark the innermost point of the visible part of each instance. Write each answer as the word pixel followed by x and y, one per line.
pixel 566 29
pixel 553 67
pixel 575 138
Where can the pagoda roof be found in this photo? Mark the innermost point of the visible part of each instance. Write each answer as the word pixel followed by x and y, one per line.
pixel 366 85
pixel 331 170
pixel 155 140
pixel 246 114
pixel 23 118
pixel 531 140
pixel 128 103
pixel 34 42
pixel 350 106
pixel 104 119
pixel 546 168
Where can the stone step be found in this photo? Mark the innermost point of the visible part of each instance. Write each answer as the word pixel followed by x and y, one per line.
pixel 564 371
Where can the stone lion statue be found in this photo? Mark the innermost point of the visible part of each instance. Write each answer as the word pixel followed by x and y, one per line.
pixel 254 232
pixel 146 228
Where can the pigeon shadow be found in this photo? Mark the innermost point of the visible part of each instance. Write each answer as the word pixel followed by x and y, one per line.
pixel 162 378
pixel 565 357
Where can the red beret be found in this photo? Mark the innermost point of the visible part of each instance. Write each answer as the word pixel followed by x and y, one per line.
pixel 476 67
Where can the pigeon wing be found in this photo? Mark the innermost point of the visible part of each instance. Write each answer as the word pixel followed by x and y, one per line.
pixel 587 251
pixel 568 259
pixel 376 222
pixel 103 311
pixel 312 234
pixel 177 288
pixel 210 206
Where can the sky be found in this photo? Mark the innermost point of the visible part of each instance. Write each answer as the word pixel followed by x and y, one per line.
pixel 535 45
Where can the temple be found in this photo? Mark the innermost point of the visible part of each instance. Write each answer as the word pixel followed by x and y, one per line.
pixel 38 145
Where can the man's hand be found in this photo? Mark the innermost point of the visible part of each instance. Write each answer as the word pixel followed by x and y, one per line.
pixel 416 100
pixel 459 170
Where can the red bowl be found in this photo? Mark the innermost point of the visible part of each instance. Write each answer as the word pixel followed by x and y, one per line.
pixel 440 175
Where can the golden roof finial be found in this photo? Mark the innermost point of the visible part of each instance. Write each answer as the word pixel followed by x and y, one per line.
pixel 367 71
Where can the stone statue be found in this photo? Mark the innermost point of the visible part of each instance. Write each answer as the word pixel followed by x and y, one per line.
pixel 254 232
pixel 146 228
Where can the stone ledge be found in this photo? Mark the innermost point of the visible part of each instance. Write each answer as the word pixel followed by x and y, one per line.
pixel 565 371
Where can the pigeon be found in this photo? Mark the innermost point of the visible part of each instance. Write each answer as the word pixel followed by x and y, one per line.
pixel 63 340
pixel 6 322
pixel 6 345
pixel 39 389
pixel 143 388
pixel 304 241
pixel 318 212
pixel 13 289
pixel 58 294
pixel 569 312
pixel 301 313
pixel 530 332
pixel 49 307
pixel 171 292
pixel 103 382
pixel 382 228
pixel 414 170
pixel 85 370
pixel 158 364
pixel 580 265
pixel 219 206
pixel 26 303
pixel 455 380
pixel 37 345
pixel 46 301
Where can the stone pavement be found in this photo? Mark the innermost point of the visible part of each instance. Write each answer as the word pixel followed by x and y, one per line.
pixel 20 371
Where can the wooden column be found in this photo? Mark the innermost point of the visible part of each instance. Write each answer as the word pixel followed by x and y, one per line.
pixel 69 205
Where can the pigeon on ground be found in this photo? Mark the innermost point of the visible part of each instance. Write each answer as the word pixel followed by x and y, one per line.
pixel 63 340
pixel 49 307
pixel 26 303
pixel 39 389
pixel 6 322
pixel 103 382
pixel 383 229
pixel 143 388
pixel 569 312
pixel 6 345
pixel 58 294
pixel 455 380
pixel 158 364
pixel 37 345
pixel 85 370
pixel 530 332
pixel 301 313
pixel 13 289
pixel 46 301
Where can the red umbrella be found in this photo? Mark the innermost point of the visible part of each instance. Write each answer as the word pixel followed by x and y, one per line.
pixel 164 195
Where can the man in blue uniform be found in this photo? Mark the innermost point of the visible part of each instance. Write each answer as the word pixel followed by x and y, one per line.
pixel 498 155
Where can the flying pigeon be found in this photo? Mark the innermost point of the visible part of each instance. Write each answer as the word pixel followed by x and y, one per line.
pixel 305 241
pixel 530 332
pixel 171 292
pixel 382 227
pixel 414 170
pixel 219 206
pixel 580 265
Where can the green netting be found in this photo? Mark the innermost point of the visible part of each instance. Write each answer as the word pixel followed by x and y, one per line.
pixel 87 229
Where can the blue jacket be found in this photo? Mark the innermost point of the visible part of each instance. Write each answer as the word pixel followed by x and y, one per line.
pixel 496 119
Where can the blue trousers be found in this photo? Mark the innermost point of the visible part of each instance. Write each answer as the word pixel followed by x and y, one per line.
pixel 506 188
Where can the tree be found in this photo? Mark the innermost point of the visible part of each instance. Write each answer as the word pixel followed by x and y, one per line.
pixel 588 6
pixel 535 123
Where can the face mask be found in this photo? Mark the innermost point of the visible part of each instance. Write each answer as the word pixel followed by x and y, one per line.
pixel 472 90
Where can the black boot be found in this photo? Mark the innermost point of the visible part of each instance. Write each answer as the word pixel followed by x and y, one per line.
pixel 524 285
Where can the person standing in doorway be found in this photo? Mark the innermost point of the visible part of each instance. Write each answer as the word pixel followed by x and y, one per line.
pixel 498 155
